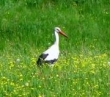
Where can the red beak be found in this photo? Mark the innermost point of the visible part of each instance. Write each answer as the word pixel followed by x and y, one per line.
pixel 62 33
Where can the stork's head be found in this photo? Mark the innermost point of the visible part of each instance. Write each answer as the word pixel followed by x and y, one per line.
pixel 58 30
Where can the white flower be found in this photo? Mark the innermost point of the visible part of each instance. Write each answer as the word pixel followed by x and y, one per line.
pixel 18 60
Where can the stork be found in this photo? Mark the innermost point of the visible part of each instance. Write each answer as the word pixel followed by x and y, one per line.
pixel 51 54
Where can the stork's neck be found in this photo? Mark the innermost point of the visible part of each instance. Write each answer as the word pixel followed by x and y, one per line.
pixel 56 38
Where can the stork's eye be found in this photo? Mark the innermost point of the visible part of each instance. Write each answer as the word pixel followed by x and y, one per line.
pixel 58 30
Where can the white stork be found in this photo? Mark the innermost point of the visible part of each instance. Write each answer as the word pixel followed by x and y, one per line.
pixel 52 53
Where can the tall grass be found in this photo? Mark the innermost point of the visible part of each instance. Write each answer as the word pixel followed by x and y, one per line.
pixel 26 29
pixel 82 21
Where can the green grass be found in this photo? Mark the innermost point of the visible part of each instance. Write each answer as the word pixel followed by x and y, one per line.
pixel 26 29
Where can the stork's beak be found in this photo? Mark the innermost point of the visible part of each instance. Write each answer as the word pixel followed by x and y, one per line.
pixel 62 33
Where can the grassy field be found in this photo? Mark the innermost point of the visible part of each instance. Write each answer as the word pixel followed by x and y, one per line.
pixel 83 68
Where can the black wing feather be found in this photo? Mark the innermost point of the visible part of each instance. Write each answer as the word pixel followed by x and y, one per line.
pixel 41 59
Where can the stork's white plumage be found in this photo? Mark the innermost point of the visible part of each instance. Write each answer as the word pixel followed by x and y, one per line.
pixel 51 54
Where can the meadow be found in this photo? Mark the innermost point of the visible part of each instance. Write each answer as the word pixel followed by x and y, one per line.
pixel 26 30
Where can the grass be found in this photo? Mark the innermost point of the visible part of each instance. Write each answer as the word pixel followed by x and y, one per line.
pixel 83 67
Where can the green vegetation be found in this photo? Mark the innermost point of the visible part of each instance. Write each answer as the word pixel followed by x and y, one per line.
pixel 83 67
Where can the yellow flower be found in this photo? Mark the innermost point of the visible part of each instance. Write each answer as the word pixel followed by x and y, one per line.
pixel 27 84
pixel 41 95
pixel 39 86
pixel 93 72
pixel 12 84
pixel 93 65
pixel 11 65
pixel 33 60
pixel 57 75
